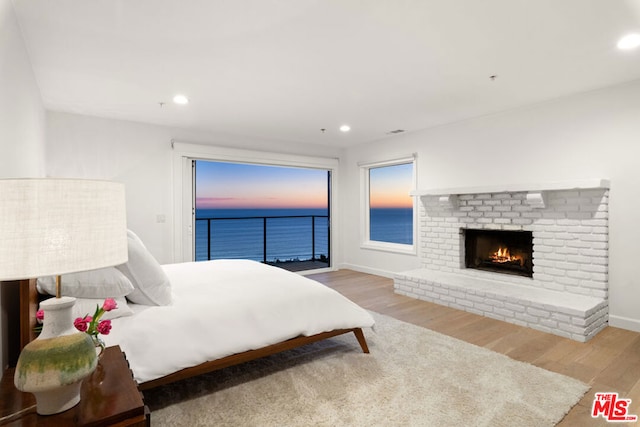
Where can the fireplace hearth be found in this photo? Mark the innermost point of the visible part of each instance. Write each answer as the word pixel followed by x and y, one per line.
pixel 500 251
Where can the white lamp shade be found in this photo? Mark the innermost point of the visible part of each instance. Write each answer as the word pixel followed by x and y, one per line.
pixel 58 226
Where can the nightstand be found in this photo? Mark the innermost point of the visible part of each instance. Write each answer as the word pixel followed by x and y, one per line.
pixel 109 397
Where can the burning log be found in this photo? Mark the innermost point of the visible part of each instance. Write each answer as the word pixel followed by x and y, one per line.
pixel 502 256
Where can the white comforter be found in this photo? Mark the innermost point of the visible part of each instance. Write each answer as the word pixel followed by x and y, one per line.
pixel 225 307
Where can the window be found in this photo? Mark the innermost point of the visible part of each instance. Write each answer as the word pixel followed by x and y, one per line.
pixel 184 180
pixel 389 214
pixel 274 214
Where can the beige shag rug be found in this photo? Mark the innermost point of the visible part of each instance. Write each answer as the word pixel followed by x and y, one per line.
pixel 413 377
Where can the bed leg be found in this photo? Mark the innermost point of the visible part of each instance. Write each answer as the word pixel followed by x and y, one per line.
pixel 360 336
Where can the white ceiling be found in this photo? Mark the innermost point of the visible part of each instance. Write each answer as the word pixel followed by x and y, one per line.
pixel 284 69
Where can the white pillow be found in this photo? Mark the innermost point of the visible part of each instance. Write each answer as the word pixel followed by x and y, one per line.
pixel 151 284
pixel 101 283
pixel 84 306
pixel 133 236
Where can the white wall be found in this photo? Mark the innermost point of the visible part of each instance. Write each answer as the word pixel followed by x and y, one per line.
pixel 592 135
pixel 21 123
pixel 21 111
pixel 140 156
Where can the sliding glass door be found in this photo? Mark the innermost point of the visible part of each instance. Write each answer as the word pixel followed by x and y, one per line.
pixel 278 215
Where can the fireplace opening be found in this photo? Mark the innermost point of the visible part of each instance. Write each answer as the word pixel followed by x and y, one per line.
pixel 501 251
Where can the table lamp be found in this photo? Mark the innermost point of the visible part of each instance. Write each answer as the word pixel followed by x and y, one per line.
pixel 50 227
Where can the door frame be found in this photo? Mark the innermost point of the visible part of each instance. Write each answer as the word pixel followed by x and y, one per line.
pixel 185 153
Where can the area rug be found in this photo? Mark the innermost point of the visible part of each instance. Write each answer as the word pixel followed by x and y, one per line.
pixel 412 377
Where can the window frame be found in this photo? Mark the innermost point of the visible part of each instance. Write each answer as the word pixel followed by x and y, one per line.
pixel 365 220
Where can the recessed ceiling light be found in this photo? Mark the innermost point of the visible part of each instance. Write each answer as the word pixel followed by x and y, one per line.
pixel 345 128
pixel 180 99
pixel 630 41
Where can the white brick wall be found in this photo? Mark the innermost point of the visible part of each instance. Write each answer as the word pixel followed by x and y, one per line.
pixel 567 294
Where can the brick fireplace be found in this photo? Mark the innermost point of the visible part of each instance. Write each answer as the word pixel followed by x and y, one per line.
pixel 566 294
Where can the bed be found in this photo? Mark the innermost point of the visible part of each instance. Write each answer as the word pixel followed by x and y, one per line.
pixel 217 314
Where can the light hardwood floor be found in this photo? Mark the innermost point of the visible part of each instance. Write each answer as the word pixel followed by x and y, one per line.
pixel 610 362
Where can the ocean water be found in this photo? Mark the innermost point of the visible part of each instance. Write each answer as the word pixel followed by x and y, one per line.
pixel 287 238
pixel 391 225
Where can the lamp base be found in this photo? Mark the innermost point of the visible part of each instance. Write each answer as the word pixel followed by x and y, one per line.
pixel 53 366
pixel 58 400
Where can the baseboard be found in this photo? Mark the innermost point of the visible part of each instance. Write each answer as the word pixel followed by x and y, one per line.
pixel 624 323
pixel 368 270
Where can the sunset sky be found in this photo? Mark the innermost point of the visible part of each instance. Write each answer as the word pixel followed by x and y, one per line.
pixel 243 186
pixel 389 186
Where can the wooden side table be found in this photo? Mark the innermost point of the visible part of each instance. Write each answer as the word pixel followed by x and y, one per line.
pixel 109 397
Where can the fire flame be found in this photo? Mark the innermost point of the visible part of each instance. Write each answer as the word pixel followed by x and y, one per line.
pixel 502 255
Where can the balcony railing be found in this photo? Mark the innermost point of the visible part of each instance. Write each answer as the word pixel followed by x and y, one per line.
pixel 270 239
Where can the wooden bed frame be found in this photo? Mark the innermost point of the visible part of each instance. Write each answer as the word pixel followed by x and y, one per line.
pixel 29 300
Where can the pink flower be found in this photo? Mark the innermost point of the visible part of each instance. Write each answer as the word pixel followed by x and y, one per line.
pixel 109 304
pixel 40 315
pixel 104 327
pixel 93 325
pixel 82 323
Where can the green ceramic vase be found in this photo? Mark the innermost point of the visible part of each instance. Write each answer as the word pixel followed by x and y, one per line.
pixel 53 366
